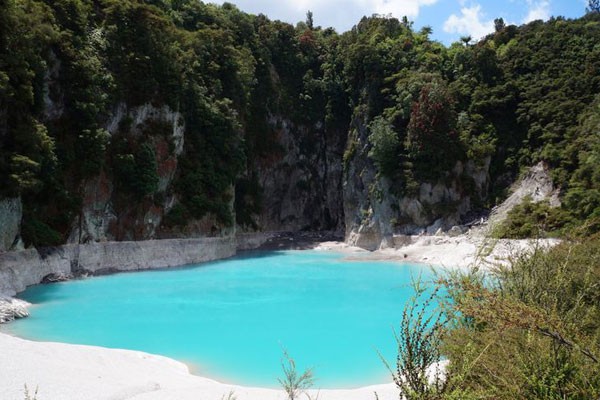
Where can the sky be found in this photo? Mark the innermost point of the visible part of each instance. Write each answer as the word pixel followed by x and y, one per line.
pixel 450 19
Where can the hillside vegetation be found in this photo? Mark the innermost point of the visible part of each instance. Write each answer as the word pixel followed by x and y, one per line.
pixel 521 95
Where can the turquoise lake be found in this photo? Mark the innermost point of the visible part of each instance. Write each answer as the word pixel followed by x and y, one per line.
pixel 229 320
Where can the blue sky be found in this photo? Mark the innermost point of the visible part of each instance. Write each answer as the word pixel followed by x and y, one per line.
pixel 450 19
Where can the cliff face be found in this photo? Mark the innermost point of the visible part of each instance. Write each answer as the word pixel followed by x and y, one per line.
pixel 149 147
pixel 105 215
pixel 305 185
pixel 11 212
pixel 375 209
pixel 301 184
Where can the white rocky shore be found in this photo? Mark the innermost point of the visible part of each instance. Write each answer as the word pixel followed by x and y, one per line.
pixel 11 309
pixel 449 252
pixel 70 372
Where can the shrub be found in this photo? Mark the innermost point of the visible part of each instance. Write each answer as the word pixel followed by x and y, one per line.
pixel 39 234
pixel 385 151
pixel 137 171
pixel 177 216
pixel 530 220
pixel 293 382
pixel 419 348
pixel 532 331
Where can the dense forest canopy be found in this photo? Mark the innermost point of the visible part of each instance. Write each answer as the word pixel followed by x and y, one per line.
pixel 521 95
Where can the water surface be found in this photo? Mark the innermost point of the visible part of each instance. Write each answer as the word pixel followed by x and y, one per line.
pixel 229 320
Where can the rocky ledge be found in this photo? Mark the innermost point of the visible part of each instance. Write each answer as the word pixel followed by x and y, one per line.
pixel 19 269
pixel 11 309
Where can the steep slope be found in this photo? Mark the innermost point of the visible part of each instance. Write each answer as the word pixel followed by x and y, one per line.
pixel 131 120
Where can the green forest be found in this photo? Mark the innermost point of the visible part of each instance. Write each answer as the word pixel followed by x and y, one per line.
pixel 519 96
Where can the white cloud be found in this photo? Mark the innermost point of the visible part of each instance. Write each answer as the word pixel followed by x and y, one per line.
pixel 537 10
pixel 398 8
pixel 341 14
pixel 471 22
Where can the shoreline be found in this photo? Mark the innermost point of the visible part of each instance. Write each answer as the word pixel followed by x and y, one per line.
pixel 62 371
pixel 454 253
pixel 69 372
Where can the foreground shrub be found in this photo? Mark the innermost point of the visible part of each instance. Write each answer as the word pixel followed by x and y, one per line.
pixel 533 330
pixel 419 348
pixel 293 382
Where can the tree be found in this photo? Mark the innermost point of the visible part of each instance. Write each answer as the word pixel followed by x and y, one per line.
pixel 309 20
pixel 386 146
pixel 499 25
pixel 432 140
pixel 466 40
pixel 146 170
pixel 593 6
pixel 426 31
pixel 418 373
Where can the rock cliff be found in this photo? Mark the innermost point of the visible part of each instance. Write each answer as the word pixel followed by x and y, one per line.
pixel 306 180
pixel 11 212
pixel 19 269
pixel 104 214
pixel 375 208
pixel 302 183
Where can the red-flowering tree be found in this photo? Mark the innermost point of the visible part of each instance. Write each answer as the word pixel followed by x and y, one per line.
pixel 431 135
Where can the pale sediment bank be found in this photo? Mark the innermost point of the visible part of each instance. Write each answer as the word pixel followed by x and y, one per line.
pixel 458 252
pixel 71 372
pixel 19 269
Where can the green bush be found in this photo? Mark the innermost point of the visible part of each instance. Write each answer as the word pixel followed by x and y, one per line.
pixel 419 342
pixel 533 330
pixel 137 172
pixel 531 220
pixel 385 150
pixel 177 216
pixel 39 234
pixel 146 170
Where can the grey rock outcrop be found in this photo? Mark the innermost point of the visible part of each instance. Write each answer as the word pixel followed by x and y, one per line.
pixel 19 269
pixel 100 219
pixel 11 212
pixel 11 309
pixel 536 183
pixel 53 95
pixel 368 202
pixel 456 231
pixel 374 211
pixel 301 183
